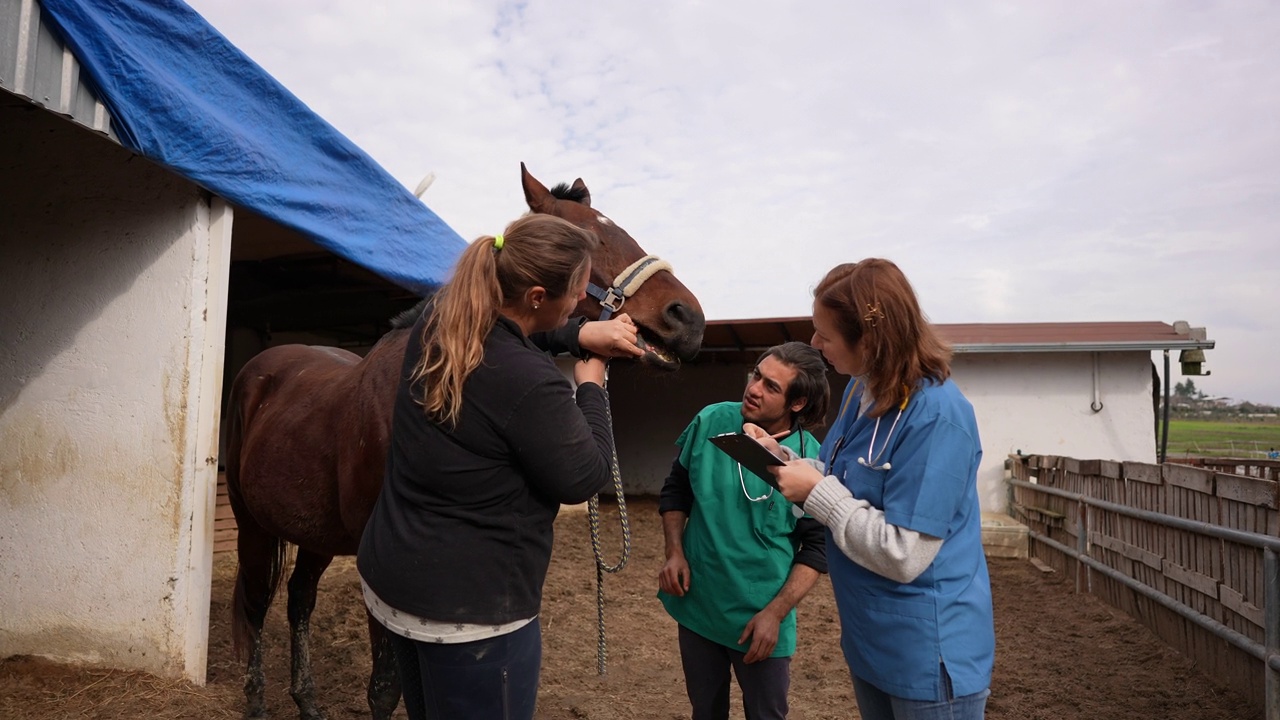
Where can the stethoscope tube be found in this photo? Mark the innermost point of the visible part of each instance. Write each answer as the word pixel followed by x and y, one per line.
pixel 886 466
pixel 874 463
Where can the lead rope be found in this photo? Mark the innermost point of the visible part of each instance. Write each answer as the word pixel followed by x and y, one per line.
pixel 593 516
pixel 611 300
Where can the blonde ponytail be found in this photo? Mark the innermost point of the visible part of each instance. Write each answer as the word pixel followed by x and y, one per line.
pixel 535 250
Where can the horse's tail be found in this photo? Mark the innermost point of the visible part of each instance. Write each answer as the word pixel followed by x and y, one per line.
pixel 245 630
pixel 261 557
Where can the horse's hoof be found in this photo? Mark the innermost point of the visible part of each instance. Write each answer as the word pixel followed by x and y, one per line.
pixel 309 710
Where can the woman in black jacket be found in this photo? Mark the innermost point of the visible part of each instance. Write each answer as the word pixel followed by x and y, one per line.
pixel 488 440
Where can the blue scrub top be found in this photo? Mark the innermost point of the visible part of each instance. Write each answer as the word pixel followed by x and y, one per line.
pixel 899 636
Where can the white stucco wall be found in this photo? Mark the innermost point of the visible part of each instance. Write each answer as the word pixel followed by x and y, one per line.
pixel 1040 403
pixel 1034 402
pixel 112 312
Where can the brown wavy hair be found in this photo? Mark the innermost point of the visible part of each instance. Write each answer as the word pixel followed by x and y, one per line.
pixel 537 250
pixel 874 305
pixel 809 383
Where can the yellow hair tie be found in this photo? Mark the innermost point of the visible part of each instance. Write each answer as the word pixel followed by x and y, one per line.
pixel 497 242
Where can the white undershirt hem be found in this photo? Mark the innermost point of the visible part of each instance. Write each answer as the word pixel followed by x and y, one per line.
pixel 426 630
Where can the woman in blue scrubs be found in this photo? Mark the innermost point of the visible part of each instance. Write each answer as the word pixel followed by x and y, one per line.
pixel 896 487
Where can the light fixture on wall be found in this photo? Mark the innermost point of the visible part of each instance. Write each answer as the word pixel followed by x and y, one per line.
pixel 1192 360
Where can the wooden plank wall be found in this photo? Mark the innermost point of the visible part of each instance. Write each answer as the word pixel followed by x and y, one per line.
pixel 224 522
pixel 1218 579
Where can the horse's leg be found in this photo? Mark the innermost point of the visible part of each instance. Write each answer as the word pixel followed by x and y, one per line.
pixel 384 680
pixel 307 569
pixel 260 557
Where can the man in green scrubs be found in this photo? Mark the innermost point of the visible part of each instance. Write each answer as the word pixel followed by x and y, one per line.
pixel 738 559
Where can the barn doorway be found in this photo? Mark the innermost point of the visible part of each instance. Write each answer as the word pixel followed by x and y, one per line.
pixel 285 289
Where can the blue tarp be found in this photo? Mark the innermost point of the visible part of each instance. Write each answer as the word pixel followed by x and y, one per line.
pixel 182 95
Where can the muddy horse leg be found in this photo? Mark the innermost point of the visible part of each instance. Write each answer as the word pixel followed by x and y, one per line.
pixel 260 557
pixel 307 569
pixel 384 680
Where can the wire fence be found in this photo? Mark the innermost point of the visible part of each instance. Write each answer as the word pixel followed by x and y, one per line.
pixel 1231 448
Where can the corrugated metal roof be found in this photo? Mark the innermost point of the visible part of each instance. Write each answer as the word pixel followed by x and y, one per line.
pixel 743 340
pixel 36 65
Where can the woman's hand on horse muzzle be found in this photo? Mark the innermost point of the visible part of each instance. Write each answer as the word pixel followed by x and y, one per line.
pixel 610 338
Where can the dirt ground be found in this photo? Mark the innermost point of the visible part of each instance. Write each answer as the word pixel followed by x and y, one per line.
pixel 1059 656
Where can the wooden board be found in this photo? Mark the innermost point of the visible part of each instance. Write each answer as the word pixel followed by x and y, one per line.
pixel 224 521
pixel 1252 491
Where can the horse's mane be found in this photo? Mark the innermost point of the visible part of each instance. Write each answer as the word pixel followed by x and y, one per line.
pixel 562 191
pixel 407 318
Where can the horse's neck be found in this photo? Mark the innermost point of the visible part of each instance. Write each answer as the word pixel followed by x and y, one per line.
pixel 378 374
pixel 388 351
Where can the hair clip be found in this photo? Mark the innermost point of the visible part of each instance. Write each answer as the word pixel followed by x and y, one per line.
pixel 873 314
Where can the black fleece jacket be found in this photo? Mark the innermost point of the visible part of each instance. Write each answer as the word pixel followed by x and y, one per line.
pixel 462 530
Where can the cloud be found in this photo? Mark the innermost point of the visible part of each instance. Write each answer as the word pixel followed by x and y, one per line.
pixel 1023 162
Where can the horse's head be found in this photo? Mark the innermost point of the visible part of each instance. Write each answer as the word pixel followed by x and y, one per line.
pixel 669 317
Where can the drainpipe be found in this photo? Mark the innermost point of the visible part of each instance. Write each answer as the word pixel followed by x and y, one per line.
pixel 1096 405
pixel 1164 430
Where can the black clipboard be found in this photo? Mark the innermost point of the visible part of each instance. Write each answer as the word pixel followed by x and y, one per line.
pixel 750 454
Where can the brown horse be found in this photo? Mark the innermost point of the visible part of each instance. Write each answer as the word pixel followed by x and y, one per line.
pixel 307 444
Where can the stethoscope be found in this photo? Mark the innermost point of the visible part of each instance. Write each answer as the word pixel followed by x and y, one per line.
pixel 743 482
pixel 874 463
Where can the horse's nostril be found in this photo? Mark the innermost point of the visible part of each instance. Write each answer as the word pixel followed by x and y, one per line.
pixel 680 314
pixel 685 325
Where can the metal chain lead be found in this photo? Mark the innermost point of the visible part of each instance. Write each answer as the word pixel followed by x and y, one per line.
pixel 593 517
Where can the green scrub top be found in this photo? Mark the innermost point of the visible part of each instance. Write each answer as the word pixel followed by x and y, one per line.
pixel 739 552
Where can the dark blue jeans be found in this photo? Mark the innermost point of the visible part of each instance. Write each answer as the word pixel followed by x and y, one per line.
pixel 876 704
pixel 493 679
pixel 706 664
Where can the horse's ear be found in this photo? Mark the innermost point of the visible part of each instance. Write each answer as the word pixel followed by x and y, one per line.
pixel 579 186
pixel 536 194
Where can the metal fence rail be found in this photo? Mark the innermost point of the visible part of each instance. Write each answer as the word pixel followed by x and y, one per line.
pixel 1104 532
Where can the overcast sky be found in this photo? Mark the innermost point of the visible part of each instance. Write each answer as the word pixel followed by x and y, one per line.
pixel 1023 162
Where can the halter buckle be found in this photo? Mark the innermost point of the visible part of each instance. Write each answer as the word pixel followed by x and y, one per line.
pixel 613 300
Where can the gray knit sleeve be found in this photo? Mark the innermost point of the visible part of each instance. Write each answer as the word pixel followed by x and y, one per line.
pixel 861 533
